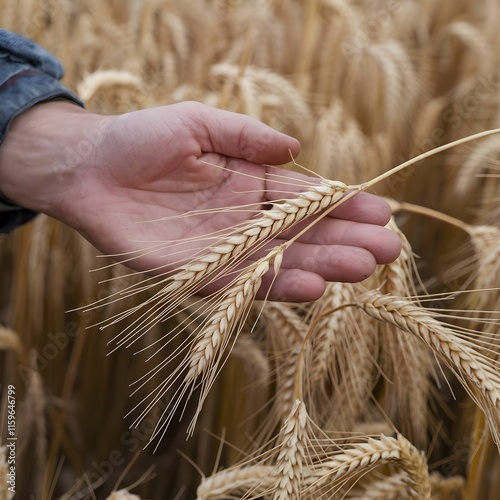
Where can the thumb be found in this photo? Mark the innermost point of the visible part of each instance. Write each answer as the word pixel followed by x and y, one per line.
pixel 240 136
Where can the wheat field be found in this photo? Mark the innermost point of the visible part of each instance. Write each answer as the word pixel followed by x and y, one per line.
pixel 385 389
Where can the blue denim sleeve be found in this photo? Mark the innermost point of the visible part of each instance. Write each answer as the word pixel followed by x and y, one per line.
pixel 28 75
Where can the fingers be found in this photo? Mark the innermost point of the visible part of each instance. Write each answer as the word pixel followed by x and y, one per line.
pixel 382 243
pixel 364 207
pixel 239 136
pixel 306 267
pixel 293 285
pixel 332 263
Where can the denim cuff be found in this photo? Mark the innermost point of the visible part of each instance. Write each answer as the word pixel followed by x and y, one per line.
pixel 28 75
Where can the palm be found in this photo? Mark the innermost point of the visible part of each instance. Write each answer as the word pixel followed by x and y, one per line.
pixel 142 183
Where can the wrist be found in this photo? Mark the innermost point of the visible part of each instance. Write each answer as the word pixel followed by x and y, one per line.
pixel 44 153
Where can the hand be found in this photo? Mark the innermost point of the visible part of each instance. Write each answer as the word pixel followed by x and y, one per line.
pixel 107 176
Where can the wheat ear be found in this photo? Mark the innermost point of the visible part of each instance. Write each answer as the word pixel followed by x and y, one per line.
pixel 215 334
pixel 270 223
pixel 220 259
pixel 289 466
pixel 251 481
pixel 364 456
pixel 256 478
pixel 459 353
pixel 340 366
pixel 389 488
pixel 328 326
pixel 226 315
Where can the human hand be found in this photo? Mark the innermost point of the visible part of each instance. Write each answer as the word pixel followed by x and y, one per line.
pixel 122 181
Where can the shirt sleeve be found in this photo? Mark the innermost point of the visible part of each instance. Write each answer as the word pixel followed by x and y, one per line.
pixel 28 75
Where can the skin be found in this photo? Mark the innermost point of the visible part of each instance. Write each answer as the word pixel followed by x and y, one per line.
pixel 106 175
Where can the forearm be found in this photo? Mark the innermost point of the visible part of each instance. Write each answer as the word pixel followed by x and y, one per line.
pixel 28 75
pixel 42 152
